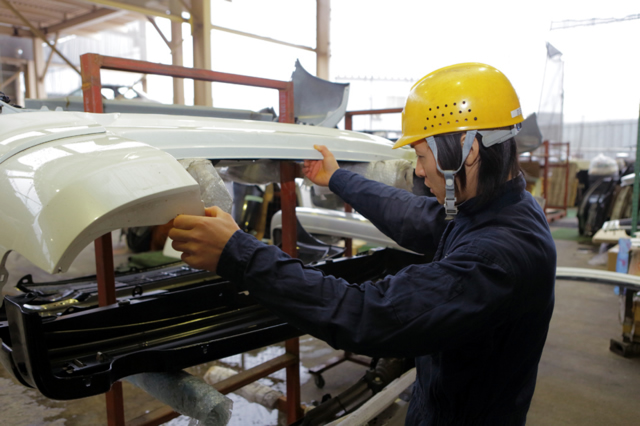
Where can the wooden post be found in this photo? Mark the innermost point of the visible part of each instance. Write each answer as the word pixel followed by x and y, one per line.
pixel 176 51
pixel 323 45
pixel 201 32
pixel 38 61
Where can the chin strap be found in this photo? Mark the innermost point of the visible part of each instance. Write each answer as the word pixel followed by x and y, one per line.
pixel 489 138
pixel 449 175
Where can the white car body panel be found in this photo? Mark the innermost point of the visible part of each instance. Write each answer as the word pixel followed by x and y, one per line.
pixel 67 178
pixel 337 224
pixel 218 138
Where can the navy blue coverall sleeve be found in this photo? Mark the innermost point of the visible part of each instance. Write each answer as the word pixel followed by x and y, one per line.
pixel 422 309
pixel 397 213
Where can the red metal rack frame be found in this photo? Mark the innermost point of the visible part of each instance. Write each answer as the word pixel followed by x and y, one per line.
pixel 91 64
pixel 348 125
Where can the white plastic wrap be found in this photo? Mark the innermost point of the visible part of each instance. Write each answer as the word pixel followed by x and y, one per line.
pixel 253 392
pixel 212 187
pixel 186 394
pixel 397 173
pixel 602 165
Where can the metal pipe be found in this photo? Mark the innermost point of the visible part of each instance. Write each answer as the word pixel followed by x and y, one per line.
pixel 602 277
pixel 155 25
pixel 46 67
pixel 133 65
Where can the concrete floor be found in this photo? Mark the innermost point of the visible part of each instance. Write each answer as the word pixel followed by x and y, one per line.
pixel 580 382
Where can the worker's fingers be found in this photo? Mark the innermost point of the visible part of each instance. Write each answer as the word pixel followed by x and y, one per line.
pixel 180 246
pixel 312 169
pixel 185 221
pixel 179 234
pixel 212 211
pixel 322 149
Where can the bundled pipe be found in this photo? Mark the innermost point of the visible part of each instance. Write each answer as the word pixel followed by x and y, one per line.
pixel 186 394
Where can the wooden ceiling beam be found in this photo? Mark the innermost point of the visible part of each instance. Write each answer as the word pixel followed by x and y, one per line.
pixel 15 31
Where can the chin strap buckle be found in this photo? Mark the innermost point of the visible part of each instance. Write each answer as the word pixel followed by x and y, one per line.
pixel 450 197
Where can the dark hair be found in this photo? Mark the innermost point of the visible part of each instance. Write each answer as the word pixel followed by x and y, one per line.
pixel 497 163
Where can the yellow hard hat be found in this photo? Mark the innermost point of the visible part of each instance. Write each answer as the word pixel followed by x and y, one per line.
pixel 469 96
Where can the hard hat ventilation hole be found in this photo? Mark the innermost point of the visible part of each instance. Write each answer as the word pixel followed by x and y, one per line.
pixel 464 102
pixel 435 116
pixel 466 119
pixel 427 118
pixel 469 110
pixel 443 115
pixel 460 112
pixel 447 122
pixel 454 104
pixel 446 106
pixel 432 125
pixel 451 113
pixel 425 127
pixel 440 124
pixel 475 118
pixel 438 107
pixel 429 109
pixel 456 121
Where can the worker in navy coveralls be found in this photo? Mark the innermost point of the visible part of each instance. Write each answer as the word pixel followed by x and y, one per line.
pixel 477 317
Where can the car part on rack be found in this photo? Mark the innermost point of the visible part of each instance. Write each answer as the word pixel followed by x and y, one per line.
pixel 81 352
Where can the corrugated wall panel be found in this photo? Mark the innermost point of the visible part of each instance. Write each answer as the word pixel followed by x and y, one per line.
pixel 607 137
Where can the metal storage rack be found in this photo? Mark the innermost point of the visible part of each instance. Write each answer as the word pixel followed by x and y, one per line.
pixel 554 212
pixel 91 64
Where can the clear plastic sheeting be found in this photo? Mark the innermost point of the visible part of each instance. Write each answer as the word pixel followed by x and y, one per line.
pixel 188 395
pixel 397 173
pixel 260 172
pixel 212 187
pixel 253 392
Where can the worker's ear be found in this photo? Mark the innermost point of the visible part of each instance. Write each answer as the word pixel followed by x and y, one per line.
pixel 474 153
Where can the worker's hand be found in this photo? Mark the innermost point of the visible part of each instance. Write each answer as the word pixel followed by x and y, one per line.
pixel 202 239
pixel 320 171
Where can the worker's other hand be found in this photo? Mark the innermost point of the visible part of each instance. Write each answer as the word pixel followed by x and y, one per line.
pixel 201 239
pixel 320 171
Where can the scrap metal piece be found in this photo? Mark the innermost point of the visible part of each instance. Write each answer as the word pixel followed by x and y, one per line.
pixel 530 137
pixel 318 102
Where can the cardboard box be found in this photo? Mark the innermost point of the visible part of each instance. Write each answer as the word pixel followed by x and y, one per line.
pixel 612 257
pixel 634 261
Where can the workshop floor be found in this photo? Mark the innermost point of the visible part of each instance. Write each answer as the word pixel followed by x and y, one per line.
pixel 580 382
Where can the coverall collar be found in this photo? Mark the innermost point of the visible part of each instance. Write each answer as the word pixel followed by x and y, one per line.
pixel 508 193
